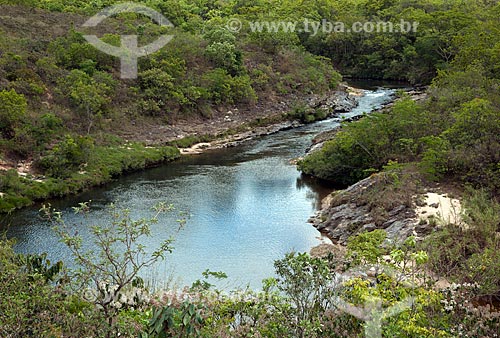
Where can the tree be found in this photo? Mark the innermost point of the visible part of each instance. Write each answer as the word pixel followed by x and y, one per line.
pixel 110 276
pixel 158 89
pixel 12 112
pixel 67 155
pixel 305 282
pixel 89 94
pixel 225 55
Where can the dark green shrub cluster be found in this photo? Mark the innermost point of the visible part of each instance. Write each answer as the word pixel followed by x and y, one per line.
pixel 306 115
pixel 66 156
pixel 369 144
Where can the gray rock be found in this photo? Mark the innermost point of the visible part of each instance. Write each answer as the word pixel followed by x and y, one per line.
pixel 339 222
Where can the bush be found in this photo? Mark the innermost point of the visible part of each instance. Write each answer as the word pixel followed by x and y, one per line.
pixel 160 92
pixel 67 156
pixel 468 252
pixel 475 144
pixel 30 306
pixel 224 88
pixel 225 55
pixel 366 248
pixel 12 112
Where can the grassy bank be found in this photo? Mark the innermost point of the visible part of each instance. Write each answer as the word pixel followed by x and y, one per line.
pixel 104 163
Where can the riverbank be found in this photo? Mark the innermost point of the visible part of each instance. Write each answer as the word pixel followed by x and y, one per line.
pixel 391 200
pixel 400 202
pixel 319 140
pixel 248 196
pixel 21 186
pixel 239 119
pixel 229 133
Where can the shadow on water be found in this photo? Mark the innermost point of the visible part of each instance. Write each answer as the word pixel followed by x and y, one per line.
pixel 320 187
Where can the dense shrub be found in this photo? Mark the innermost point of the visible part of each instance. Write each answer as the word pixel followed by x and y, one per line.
pixel 30 306
pixel 366 144
pixel 468 252
pixel 226 88
pixel 66 156
pixel 12 112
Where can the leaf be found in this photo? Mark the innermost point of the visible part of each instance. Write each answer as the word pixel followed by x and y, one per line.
pixel 186 319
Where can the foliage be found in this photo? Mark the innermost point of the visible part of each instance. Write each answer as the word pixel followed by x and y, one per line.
pixel 369 143
pixel 467 252
pixel 412 132
pixel 304 280
pixel 169 321
pixel 67 155
pixel 310 297
pixel 366 248
pixel 225 88
pixel 222 50
pixel 30 305
pixel 112 273
pixel 103 164
pixel 158 90
pixel 12 112
pixel 90 94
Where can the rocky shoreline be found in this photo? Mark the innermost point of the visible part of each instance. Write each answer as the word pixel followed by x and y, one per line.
pixel 340 220
pixel 332 104
pixel 347 212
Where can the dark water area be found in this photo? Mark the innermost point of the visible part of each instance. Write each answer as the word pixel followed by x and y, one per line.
pixel 248 206
pixel 368 84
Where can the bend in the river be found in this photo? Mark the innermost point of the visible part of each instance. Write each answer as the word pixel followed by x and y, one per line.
pixel 248 205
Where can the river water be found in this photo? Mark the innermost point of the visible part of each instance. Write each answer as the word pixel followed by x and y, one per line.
pixel 248 206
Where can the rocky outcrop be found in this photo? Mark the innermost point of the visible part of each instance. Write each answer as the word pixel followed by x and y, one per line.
pixel 345 214
pixel 340 101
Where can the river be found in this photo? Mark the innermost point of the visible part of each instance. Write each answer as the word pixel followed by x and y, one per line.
pixel 248 206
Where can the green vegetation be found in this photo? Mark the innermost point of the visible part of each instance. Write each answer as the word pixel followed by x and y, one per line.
pixel 455 133
pixel 65 117
pixel 468 253
pixel 59 85
pixel 452 136
pixel 309 297
pixel 70 174
pixel 64 110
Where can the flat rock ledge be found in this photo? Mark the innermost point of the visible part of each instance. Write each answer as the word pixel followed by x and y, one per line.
pixel 339 222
